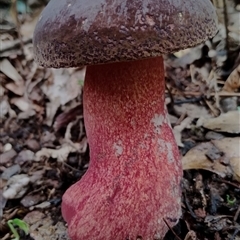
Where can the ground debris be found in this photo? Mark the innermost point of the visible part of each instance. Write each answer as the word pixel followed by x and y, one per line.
pixel 43 147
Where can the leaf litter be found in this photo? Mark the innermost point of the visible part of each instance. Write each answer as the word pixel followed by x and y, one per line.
pixel 44 146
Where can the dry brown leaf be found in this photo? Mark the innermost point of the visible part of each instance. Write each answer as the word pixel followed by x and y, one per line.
pixel 187 56
pixel 51 109
pixel 61 87
pixel 199 75
pixel 42 227
pixel 27 28
pixel 226 122
pixel 2 90
pixel 177 130
pixel 199 157
pixel 66 117
pixel 7 156
pixel 4 106
pixel 17 89
pixel 232 83
pixel 193 110
pixel 191 235
pixel 21 103
pixel 10 71
pixel 60 154
pixel 231 148
pixel 16 187
pixel 27 114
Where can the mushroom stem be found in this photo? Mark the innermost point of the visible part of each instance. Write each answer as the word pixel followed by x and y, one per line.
pixel 133 179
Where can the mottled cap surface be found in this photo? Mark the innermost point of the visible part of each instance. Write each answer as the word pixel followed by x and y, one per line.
pixel 73 33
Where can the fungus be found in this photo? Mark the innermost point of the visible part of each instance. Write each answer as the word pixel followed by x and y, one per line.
pixel 133 181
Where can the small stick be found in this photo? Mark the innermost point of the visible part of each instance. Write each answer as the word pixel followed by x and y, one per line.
pixel 171 229
pixel 189 207
pixel 221 94
pixel 236 214
pixel 228 182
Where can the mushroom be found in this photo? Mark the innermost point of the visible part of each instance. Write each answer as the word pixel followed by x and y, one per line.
pixel 132 185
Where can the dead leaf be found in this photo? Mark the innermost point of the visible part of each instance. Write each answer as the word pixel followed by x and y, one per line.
pixel 193 110
pixel 24 156
pixel 27 28
pixel 66 117
pixel 231 148
pixel 226 122
pixel 191 235
pixel 7 156
pixel 10 171
pixel 199 75
pixel 228 104
pixel 16 187
pixel 186 57
pixel 232 83
pixel 196 158
pixel 10 71
pixel 42 227
pixel 61 87
pixel 17 89
pixel 30 200
pixel 217 223
pixel 21 103
pixel 177 130
pixel 51 109
pixel 211 135
pixel 33 217
pixel 60 154
pixel 4 106
pixel 27 114
pixel 42 205
pixel 2 91
pixel 33 145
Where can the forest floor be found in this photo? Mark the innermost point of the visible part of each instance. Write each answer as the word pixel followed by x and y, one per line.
pixel 44 147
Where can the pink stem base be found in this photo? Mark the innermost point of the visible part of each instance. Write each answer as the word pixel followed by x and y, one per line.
pixel 133 180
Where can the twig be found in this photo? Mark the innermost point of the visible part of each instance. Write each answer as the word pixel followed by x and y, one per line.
pixel 36 190
pixel 214 111
pixel 74 169
pixel 236 214
pixel 222 94
pixel 189 207
pixel 12 214
pixel 7 236
pixel 225 181
pixel 235 234
pixel 171 229
pixel 191 100
pixel 184 114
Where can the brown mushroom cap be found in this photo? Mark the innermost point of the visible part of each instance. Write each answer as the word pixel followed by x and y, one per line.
pixel 87 32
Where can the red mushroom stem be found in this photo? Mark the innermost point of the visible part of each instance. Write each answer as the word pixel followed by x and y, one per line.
pixel 133 179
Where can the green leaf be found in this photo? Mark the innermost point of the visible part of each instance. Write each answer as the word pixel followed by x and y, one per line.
pixel 19 223
pixel 230 201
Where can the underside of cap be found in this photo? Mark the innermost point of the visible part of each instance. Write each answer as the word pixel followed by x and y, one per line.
pixel 73 33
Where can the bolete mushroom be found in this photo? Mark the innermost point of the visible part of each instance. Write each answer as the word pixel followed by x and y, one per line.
pixel 133 181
